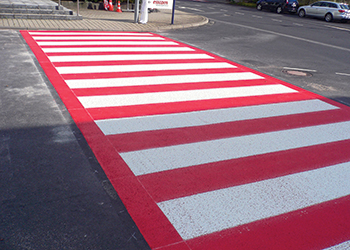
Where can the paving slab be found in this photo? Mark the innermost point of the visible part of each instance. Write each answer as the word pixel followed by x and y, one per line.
pixel 108 20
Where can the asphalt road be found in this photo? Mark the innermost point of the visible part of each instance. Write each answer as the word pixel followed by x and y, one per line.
pixel 53 193
pixel 275 45
pixel 204 153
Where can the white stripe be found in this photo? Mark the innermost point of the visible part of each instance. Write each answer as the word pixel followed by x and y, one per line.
pixel 81 38
pixel 90 58
pixel 343 246
pixel 307 70
pixel 180 156
pixel 158 80
pixel 181 96
pixel 214 211
pixel 342 74
pixel 207 117
pixel 115 49
pixel 104 43
pixel 34 33
pixel 141 67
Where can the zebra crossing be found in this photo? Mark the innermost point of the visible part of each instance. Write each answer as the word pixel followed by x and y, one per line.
pixel 205 153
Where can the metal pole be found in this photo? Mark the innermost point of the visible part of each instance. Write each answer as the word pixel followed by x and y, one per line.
pixel 173 13
pixel 59 4
pixel 77 7
pixel 136 15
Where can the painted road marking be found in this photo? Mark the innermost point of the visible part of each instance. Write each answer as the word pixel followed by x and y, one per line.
pixel 82 38
pixel 307 70
pixel 201 118
pixel 104 43
pixel 73 33
pixel 181 96
pixel 160 80
pixel 87 58
pixel 144 67
pixel 342 74
pixel 342 246
pixel 179 134
pixel 180 156
pixel 115 49
pixel 214 211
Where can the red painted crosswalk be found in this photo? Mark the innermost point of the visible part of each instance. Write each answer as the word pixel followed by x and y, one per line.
pixel 205 153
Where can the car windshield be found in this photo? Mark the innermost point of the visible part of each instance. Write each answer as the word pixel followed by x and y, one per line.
pixel 344 6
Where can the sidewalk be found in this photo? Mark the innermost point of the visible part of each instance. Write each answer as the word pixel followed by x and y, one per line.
pixel 108 21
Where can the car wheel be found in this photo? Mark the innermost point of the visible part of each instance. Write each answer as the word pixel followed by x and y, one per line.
pixel 302 13
pixel 279 10
pixel 328 17
pixel 259 7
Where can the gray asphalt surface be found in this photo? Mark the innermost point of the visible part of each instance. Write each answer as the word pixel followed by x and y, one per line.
pixel 53 193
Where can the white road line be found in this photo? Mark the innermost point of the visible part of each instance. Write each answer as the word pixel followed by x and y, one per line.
pixel 342 74
pixel 96 38
pixel 158 80
pixel 181 7
pixel 338 28
pixel 214 211
pixel 90 58
pixel 277 20
pixel 181 96
pixel 307 70
pixel 104 43
pixel 142 67
pixel 284 35
pixel 179 156
pixel 115 49
pixel 200 118
pixel 240 13
pixel 255 16
pixel 343 246
pixel 36 33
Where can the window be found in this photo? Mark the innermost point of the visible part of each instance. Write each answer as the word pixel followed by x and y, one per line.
pixel 316 4
pixel 344 6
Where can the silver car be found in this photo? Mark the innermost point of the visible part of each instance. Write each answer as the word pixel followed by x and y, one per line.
pixel 327 10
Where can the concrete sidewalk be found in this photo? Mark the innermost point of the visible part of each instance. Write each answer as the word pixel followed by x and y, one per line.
pixel 108 21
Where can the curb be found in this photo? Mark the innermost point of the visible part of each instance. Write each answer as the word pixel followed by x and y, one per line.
pixel 204 21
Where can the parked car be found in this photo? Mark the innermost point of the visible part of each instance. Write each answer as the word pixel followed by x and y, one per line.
pixel 279 6
pixel 329 11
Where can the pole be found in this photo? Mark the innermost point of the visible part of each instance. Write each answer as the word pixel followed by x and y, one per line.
pixel 173 13
pixel 136 15
pixel 77 7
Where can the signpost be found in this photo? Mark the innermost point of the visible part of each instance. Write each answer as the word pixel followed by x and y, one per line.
pixel 156 4
pixel 136 14
pixel 160 4
pixel 173 13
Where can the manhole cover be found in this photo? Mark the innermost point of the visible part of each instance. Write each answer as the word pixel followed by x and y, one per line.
pixel 296 73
